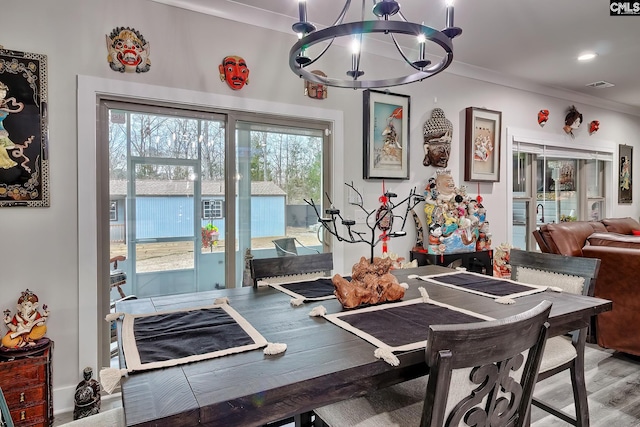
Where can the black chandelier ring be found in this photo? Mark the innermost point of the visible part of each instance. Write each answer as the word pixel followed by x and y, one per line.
pixel 298 62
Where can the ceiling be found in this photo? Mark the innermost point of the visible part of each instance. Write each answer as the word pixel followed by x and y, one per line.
pixel 530 43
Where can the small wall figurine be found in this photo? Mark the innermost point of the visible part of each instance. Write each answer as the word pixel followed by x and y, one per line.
pixel 87 396
pixel 315 90
pixel 543 117
pixel 234 70
pixel 437 133
pixel 594 125
pixel 572 121
pixel 128 51
pixel 27 326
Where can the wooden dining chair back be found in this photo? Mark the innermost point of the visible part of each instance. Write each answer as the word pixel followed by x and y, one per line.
pixel 483 373
pixel 117 277
pixel 572 274
pixel 264 268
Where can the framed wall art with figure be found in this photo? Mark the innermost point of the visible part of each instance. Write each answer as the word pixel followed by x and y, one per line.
pixel 625 179
pixel 482 144
pixel 24 160
pixel 386 135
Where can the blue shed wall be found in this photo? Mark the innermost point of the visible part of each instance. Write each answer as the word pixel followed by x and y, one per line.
pixel 159 217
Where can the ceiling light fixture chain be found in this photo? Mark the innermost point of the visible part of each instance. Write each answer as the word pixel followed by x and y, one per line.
pixel 383 11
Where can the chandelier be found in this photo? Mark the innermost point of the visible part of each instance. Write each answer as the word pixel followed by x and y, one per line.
pixel 383 10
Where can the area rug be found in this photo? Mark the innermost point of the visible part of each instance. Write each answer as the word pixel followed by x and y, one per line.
pixel 501 290
pixel 401 326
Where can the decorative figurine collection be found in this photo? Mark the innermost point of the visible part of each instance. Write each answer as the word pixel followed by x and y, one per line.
pixel 87 396
pixel 128 51
pixel 456 222
pixel 27 327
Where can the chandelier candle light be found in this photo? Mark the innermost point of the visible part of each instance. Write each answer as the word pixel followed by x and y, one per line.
pixel 383 10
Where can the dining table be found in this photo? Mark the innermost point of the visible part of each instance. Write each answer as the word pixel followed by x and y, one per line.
pixel 322 364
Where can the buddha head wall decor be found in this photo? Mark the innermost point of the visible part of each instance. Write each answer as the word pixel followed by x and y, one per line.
pixel 572 121
pixel 543 117
pixel 315 90
pixel 437 133
pixel 128 51
pixel 234 70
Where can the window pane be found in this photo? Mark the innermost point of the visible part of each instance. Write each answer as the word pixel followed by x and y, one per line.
pixel 596 210
pixel 279 167
pixel 595 176
pixel 557 190
pixel 519 174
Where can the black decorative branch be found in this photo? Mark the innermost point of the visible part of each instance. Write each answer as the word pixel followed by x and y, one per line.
pixel 383 216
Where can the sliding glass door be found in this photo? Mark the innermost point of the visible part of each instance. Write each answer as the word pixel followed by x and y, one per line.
pixel 189 202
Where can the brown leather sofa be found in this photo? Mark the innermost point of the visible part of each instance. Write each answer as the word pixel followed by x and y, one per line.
pixel 612 241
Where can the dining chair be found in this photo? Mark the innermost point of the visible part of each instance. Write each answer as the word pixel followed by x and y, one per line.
pixel 117 277
pixel 286 268
pixel 477 372
pixel 576 275
pixel 264 268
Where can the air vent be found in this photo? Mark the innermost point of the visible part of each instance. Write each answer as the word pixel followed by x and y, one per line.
pixel 600 84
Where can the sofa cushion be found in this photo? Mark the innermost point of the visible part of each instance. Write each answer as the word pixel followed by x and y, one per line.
pixel 614 239
pixel 568 238
pixel 621 225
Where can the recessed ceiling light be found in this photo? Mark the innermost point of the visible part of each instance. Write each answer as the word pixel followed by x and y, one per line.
pixel 587 56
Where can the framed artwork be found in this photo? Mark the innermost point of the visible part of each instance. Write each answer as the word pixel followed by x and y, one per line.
pixel 482 145
pixel 625 178
pixel 24 159
pixel 386 135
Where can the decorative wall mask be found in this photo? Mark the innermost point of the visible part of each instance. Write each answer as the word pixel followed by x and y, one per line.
pixel 315 90
pixel 594 125
pixel 572 121
pixel 128 51
pixel 234 70
pixel 437 132
pixel 543 116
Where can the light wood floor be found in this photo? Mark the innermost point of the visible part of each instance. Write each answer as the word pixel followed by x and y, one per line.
pixel 613 387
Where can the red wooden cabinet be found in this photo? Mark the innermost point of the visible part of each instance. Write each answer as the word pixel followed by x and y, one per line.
pixel 25 380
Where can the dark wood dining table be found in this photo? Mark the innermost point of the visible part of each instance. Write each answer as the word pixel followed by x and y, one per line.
pixel 322 364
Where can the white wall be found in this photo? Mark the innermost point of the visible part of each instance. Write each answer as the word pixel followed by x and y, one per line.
pixel 40 247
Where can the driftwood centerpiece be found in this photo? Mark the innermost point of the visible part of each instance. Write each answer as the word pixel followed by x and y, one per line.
pixel 371 283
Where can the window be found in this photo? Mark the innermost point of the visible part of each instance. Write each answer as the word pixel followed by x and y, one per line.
pixel 212 209
pixel 113 210
pixel 554 184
